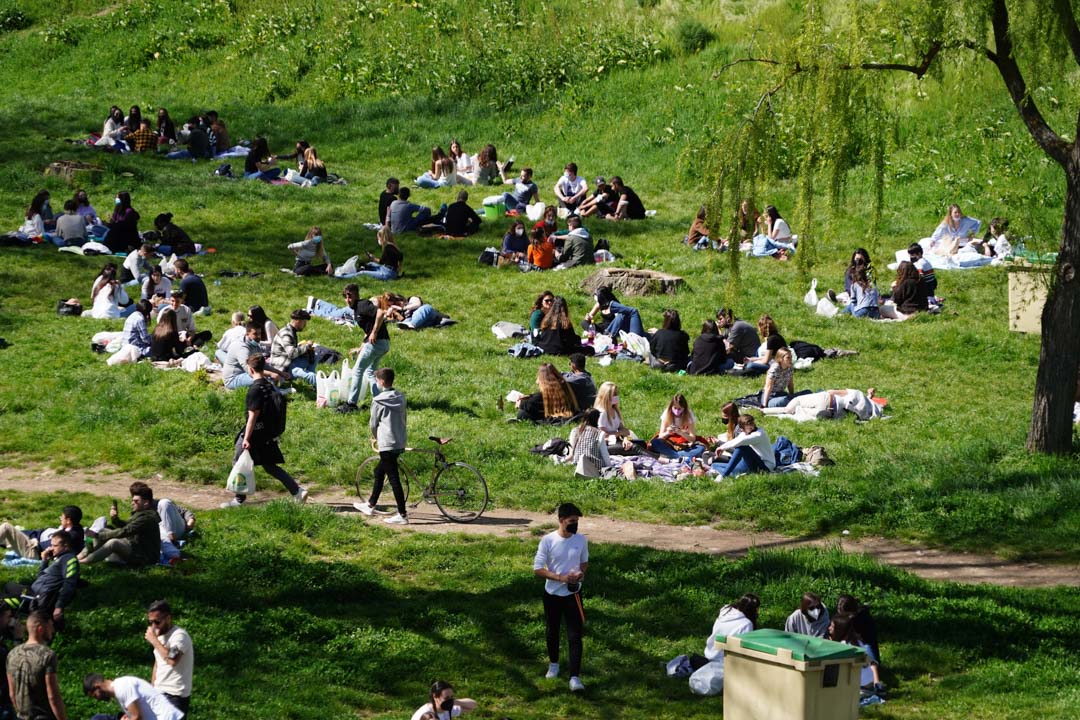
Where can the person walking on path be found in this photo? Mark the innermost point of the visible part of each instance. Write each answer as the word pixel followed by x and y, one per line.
pixel 387 427
pixel 561 560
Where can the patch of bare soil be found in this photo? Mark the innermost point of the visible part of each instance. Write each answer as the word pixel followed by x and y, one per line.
pixel 928 563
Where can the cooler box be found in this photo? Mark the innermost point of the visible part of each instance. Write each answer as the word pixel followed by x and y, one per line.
pixel 494 212
pixel 775 675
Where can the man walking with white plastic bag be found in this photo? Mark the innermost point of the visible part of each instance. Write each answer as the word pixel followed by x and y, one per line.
pixel 562 559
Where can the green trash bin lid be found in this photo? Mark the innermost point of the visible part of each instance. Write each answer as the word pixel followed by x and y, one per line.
pixel 802 647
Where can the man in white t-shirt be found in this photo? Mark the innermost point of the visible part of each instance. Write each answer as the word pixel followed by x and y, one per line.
pixel 174 656
pixel 137 698
pixel 562 559
pixel 571 188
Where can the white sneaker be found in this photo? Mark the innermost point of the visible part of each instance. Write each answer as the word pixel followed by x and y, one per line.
pixel 576 684
pixel 364 508
pixel 397 519
pixel 553 671
pixel 300 496
pixel 230 504
pixel 310 303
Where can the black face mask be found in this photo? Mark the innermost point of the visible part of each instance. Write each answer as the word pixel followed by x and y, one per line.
pixel 447 705
pixel 571 528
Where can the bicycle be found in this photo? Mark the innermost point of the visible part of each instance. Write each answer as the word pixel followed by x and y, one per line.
pixel 457 488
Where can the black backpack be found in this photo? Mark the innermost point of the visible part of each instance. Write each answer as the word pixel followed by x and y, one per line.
pixel 271 423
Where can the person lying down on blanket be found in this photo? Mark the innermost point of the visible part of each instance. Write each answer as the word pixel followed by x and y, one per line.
pixel 831 404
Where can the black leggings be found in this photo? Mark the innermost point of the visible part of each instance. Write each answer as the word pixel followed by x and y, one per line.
pixel 388 468
pixel 556 608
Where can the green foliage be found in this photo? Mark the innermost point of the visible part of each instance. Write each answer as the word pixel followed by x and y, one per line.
pixel 13 18
pixel 692 35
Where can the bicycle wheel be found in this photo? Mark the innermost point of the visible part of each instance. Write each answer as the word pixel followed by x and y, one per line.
pixel 365 480
pixel 460 492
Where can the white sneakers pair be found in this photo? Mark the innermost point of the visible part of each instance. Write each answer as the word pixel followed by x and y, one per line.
pixel 299 497
pixel 368 509
pixel 575 682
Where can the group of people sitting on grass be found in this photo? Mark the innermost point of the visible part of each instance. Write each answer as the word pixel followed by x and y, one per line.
pixel 851 624
pixel 913 290
pixel 202 137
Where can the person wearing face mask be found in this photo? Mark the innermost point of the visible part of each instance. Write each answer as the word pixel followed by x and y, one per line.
pixel 515 245
pixel 571 189
pixel 123 235
pixel 810 619
pixel 620 439
pixel 561 560
pixel 443 705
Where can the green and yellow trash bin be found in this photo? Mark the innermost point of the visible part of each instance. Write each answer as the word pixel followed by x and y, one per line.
pixel 775 675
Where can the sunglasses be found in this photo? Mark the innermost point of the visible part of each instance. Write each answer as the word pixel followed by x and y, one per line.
pixel 546 301
pixel 155 623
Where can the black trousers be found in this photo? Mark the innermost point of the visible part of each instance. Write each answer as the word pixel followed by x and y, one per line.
pixel 388 468
pixel 180 703
pixel 558 608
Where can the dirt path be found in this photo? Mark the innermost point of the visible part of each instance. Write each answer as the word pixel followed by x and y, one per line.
pixel 928 563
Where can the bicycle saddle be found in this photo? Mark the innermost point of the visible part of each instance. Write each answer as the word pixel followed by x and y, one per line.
pixel 438 440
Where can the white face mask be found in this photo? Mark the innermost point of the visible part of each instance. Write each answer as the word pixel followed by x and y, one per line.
pixel 813 613
pixel 520 232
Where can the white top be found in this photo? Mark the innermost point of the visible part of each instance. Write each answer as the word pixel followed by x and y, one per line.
pixel 780 230
pixel 152 704
pixel 164 287
pixel 442 714
pixel 465 164
pixel 560 555
pixel 759 441
pixel 233 334
pixel 569 188
pixel 133 262
pixel 107 303
pixel 729 622
pixel 33 227
pixel 175 679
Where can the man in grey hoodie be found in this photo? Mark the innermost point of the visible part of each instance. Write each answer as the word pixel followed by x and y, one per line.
pixel 388 428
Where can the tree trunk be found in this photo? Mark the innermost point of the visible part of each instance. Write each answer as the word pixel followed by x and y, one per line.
pixel 1059 359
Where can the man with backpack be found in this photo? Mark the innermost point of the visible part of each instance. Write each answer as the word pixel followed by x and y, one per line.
pixel 265 424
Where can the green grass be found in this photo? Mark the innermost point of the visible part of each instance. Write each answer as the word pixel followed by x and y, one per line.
pixel 303 613
pixel 949 467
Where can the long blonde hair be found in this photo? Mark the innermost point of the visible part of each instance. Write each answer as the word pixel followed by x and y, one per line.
pixel 603 402
pixel 948 221
pixel 311 160
pixel 320 251
pixel 686 420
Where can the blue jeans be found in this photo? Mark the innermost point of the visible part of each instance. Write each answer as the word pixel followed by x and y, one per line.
pixel 743 461
pixel 221 356
pixel 376 271
pixel 512 203
pixel 178 155
pixel 764 246
pixel 330 311
pixel 364 370
pixel 242 380
pixel 870 312
pixel 661 448
pixel 424 316
pixel 624 317
pixel 779 400
pixel 429 183
pixel 411 224
pixel 268 175
pixel 303 369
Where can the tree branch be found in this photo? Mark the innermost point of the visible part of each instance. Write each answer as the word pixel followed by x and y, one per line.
pixel 1069 26
pixel 918 70
pixel 733 63
pixel 1044 136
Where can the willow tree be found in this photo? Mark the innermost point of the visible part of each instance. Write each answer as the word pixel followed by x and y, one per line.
pixel 836 114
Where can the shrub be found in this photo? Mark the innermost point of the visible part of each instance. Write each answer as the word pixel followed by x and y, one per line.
pixel 12 18
pixel 692 36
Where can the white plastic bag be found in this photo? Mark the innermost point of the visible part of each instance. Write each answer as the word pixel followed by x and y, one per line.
pixel 348 267
pixel 346 378
pixel 811 296
pixel 825 308
pixel 708 679
pixel 242 477
pixel 320 389
pixel 601 343
pixel 535 211
pixel 636 344
pixel 333 389
pixel 194 361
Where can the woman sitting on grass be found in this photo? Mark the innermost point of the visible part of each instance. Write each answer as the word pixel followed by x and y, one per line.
pixel 157 288
pixel 489 171
pixel 953 232
pixel 620 439
pixel 555 401
pixel 541 253
pixel 709 356
pixel 614 316
pixel 698 237
pixel 311 257
pixel 515 246
pixel 670 346
pixel 864 297
pixel 260 164
pixel 123 235
pixel 779 381
pixel 842 630
pixel 549 223
pixel 588 446
pixel 464 164
pixel 114 128
pixel 268 330
pixel 107 295
pixel 773 342
pixel 388 265
pixel 747 219
pixel 776 241
pixel 442 705
pixel 909 294
pixel 538 310
pixel 557 335
pixel 34 219
pixel 443 171
pixel 751 451
pixel 677 437
pixel 165 342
